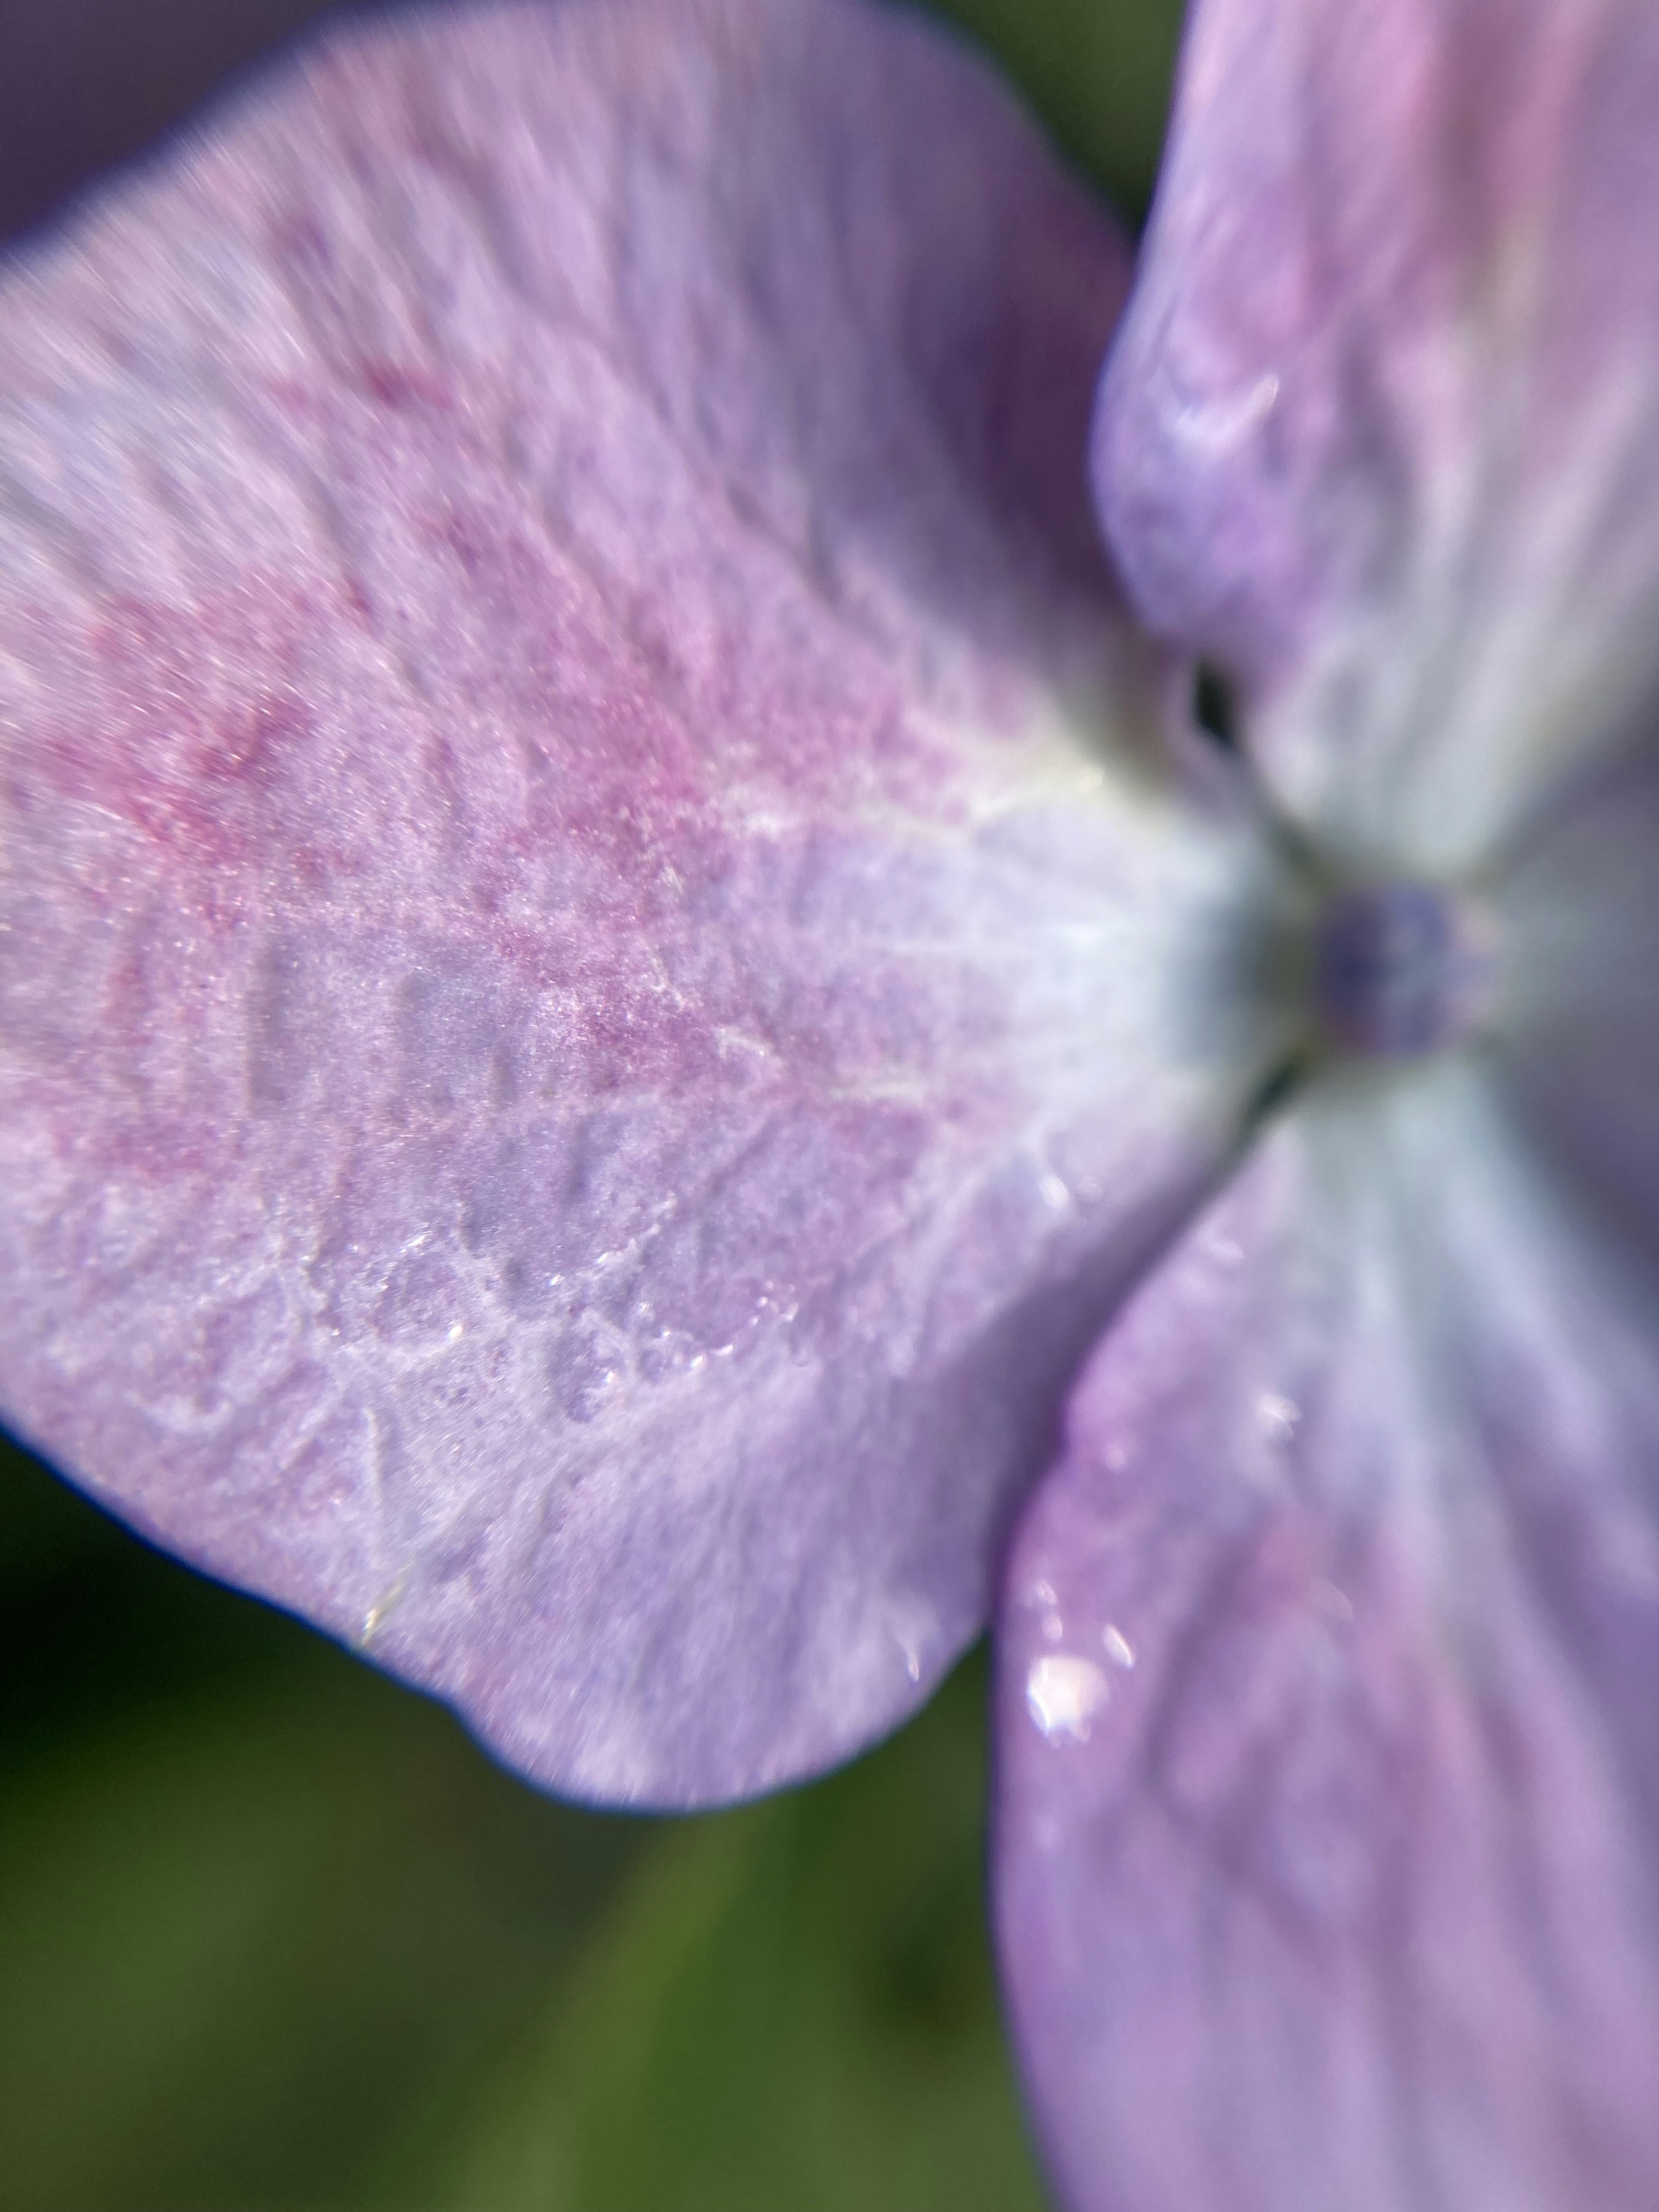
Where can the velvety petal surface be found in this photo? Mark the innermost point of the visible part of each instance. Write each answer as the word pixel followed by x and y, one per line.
pixel 601 980
pixel 1327 1813
pixel 1382 432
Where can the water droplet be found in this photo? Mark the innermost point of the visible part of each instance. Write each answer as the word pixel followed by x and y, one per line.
pixel 1062 1695
pixel 1277 1417
pixel 914 1632
pixel 1054 1193
pixel 387 1602
pixel 1119 1650
pixel 1116 1457
pixel 1053 1628
pixel 1038 1594
pixel 1335 1604
pixel 1218 423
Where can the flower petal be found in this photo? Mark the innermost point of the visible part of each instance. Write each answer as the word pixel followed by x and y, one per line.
pixel 1577 996
pixel 1328 1824
pixel 587 1034
pixel 1381 431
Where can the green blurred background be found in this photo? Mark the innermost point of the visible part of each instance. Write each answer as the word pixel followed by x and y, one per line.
pixel 274 1932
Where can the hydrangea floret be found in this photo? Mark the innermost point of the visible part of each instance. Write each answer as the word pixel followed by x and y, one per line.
pixel 650 1063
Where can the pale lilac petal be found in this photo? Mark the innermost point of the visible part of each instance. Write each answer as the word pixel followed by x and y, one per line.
pixel 1577 927
pixel 1328 1810
pixel 1381 433
pixel 586 1036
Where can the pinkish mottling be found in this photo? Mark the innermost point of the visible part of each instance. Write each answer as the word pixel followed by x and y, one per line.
pixel 586 1040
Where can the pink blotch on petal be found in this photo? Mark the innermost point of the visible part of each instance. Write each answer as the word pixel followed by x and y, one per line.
pixel 586 1037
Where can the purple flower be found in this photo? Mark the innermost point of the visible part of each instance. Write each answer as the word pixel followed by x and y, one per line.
pixel 618 956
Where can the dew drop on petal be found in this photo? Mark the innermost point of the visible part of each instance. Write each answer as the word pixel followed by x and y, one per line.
pixel 1336 1605
pixel 1054 1193
pixel 1277 1417
pixel 1062 1695
pixel 1119 1650
pixel 1219 424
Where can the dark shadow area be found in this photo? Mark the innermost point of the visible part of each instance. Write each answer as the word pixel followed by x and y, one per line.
pixel 269 1918
pixel 278 1935
pixel 1213 707
pixel 86 83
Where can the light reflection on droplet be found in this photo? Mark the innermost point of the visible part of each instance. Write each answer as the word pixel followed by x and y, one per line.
pixel 1222 421
pixel 1062 1695
pixel 1335 1604
pixel 1119 1650
pixel 1277 1417
pixel 1053 1628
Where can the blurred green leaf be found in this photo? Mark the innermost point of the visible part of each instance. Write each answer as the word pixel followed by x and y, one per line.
pixel 267 1925
pixel 791 2005
pixel 276 1935
pixel 1097 73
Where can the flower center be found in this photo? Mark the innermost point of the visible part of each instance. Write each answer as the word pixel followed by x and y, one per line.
pixel 1398 968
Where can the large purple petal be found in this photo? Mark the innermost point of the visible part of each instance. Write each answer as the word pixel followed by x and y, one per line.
pixel 1382 432
pixel 1327 1814
pixel 586 1033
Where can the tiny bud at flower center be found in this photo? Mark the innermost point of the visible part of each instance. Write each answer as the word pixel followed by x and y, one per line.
pixel 1398 968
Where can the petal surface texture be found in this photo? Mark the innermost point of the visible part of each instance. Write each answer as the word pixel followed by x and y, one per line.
pixel 1381 433
pixel 601 983
pixel 1329 1797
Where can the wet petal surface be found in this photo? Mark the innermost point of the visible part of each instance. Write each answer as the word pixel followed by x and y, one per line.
pixel 1327 1812
pixel 1382 430
pixel 600 982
